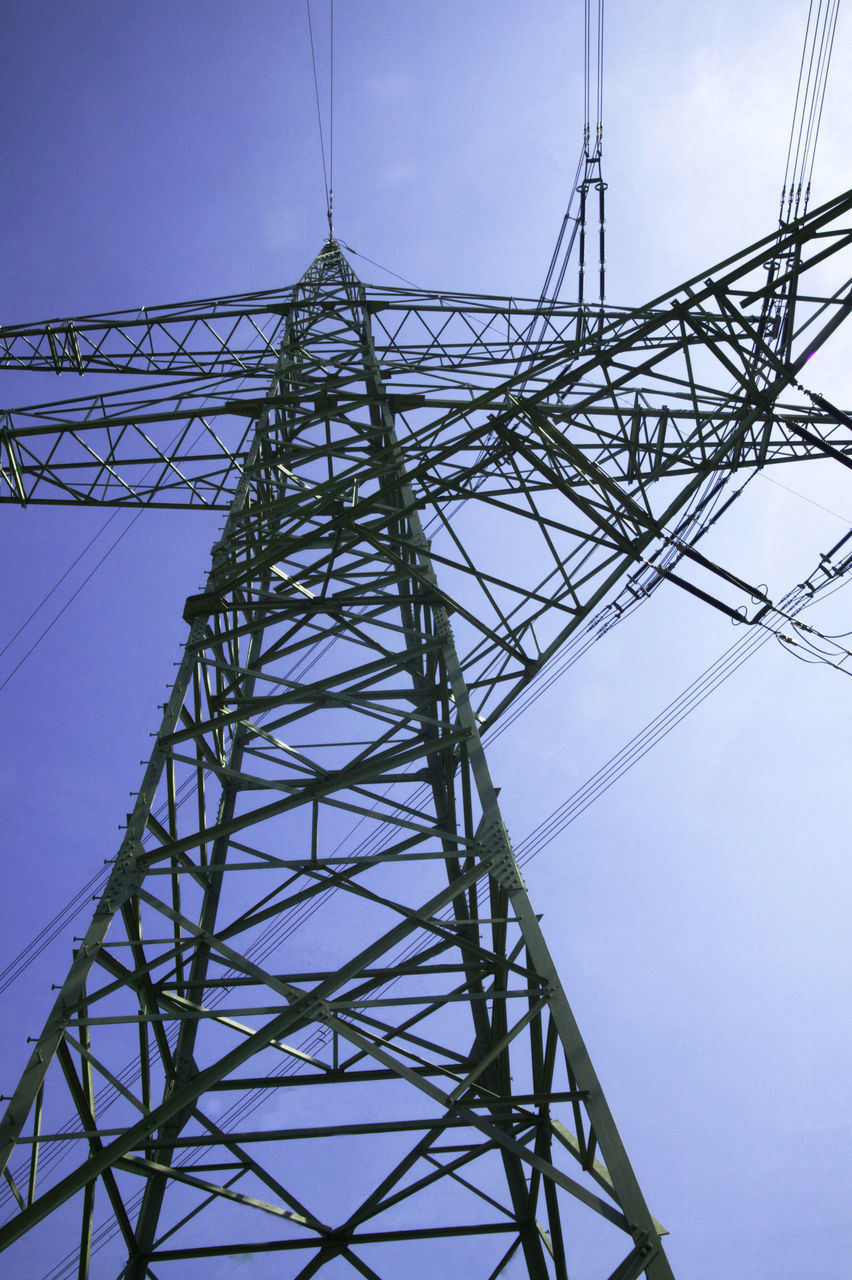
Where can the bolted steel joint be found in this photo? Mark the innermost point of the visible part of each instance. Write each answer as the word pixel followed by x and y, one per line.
pixel 123 879
pixel 498 855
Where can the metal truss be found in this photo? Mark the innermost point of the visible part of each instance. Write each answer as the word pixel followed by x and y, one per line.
pixel 314 1019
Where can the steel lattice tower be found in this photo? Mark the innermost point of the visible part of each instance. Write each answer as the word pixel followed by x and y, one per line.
pixel 315 914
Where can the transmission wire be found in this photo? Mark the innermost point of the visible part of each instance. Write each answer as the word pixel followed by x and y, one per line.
pixel 811 502
pixel 372 261
pixel 319 113
pixel 72 597
pixel 814 65
pixel 331 121
pixel 57 584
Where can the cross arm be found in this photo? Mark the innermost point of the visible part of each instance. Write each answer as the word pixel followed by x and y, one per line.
pixel 114 450
pixel 234 334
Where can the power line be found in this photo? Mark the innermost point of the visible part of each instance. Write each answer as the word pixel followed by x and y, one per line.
pixel 319 112
pixel 331 121
pixel 373 263
pixel 819 506
pixel 58 583
pixel 807 111
pixel 71 598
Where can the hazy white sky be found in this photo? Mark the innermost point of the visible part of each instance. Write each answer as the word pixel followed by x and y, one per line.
pixel 699 912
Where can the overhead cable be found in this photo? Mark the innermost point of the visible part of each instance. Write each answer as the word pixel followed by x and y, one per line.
pixel 807 111
pixel 319 113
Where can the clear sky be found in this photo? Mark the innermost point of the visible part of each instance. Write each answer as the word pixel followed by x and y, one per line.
pixel 699 912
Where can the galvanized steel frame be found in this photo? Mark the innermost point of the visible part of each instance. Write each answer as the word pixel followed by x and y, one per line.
pixel 327 605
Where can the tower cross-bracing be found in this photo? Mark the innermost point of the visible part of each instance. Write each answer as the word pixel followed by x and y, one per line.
pixel 314 1020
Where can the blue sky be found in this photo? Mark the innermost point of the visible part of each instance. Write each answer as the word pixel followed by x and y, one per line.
pixel 699 912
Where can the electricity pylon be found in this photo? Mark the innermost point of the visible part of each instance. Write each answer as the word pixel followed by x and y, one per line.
pixel 314 1019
